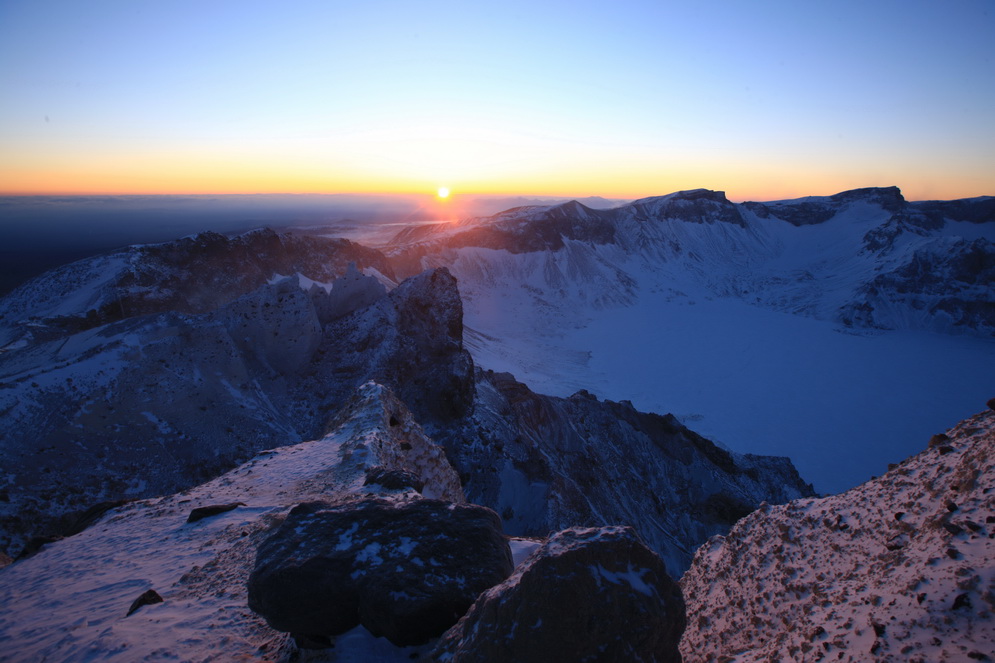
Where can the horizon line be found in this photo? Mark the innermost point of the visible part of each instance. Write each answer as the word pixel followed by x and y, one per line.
pixel 454 196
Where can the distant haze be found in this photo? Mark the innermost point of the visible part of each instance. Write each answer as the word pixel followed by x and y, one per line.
pixel 41 232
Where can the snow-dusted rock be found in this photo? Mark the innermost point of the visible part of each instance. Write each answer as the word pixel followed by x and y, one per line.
pixel 410 340
pixel 276 325
pixel 586 594
pixel 901 568
pixel 405 568
pixel 943 285
pixel 382 436
pixel 69 601
pixel 194 274
pixel 152 404
pixel 350 292
pixel 548 463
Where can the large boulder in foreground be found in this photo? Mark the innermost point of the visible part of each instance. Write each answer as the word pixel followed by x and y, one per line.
pixel 406 569
pixel 591 594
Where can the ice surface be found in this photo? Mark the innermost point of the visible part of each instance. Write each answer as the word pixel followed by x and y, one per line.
pixel 841 406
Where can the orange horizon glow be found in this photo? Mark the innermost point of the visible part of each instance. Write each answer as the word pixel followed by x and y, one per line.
pixel 347 99
pixel 554 187
pixel 199 174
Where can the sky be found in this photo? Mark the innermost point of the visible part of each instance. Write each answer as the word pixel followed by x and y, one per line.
pixel 763 100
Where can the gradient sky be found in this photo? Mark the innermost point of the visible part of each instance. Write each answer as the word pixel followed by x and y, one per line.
pixel 764 100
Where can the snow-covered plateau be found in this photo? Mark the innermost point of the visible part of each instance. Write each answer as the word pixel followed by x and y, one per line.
pixel 327 431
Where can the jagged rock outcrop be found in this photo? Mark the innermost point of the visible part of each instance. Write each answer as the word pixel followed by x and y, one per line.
pixel 411 340
pixel 548 463
pixel 587 594
pixel 406 569
pixel 898 569
pixel 157 403
pixel 945 286
pixel 194 274
pixel 382 438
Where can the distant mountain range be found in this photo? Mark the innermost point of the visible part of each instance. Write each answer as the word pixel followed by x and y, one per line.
pixel 794 327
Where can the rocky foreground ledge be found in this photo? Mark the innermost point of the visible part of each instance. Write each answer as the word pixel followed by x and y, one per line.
pixel 364 532
pixel 901 568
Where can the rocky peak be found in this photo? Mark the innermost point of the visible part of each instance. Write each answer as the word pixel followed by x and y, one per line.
pixel 694 206
pixel 411 340
pixel 888 197
pixel 814 210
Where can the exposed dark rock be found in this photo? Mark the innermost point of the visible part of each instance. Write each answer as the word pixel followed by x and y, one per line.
pixel 149 597
pixel 594 594
pixel 906 221
pixel 972 210
pixel 77 522
pixel 410 341
pixel 962 601
pixel 35 544
pixel 942 284
pixel 393 479
pixel 202 512
pixel 261 372
pixel 405 569
pixel 991 403
pixel 938 440
pixel 581 460
pixel 808 212
pixel 695 206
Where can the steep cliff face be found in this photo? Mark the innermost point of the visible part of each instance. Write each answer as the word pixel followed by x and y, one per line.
pixel 898 569
pixel 412 340
pixel 545 463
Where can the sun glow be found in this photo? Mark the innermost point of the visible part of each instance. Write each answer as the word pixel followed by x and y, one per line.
pixel 443 192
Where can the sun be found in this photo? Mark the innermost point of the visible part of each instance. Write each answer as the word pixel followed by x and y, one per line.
pixel 443 192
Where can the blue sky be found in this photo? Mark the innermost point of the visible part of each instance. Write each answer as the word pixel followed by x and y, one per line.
pixel 761 99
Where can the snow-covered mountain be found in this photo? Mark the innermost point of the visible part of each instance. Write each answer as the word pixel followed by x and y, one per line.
pixel 752 320
pixel 905 265
pixel 901 568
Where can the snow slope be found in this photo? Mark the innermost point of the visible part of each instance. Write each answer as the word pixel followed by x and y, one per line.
pixel 70 601
pixel 898 569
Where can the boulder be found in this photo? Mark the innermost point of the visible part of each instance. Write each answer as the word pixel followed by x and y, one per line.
pixel 201 512
pixel 393 479
pixel 405 568
pixel 148 597
pixel 592 594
